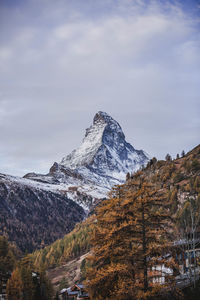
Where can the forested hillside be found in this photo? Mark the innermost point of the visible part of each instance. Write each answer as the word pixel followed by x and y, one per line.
pixel 177 181
pixel 32 217
pixel 180 178
pixel 71 246
pixel 142 227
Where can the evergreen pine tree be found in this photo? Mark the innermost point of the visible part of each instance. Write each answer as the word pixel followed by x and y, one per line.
pixel 168 157
pixel 7 258
pixel 183 153
pixel 46 289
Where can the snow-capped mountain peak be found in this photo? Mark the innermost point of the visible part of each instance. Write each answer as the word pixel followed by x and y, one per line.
pixel 83 155
pixel 102 160
pixel 105 151
pixel 103 117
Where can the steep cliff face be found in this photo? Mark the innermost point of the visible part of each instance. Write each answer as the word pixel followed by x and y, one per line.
pixel 105 152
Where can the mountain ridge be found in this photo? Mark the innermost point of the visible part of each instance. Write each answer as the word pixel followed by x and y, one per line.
pixel 34 217
pixel 102 160
pixel 37 209
pixel 107 133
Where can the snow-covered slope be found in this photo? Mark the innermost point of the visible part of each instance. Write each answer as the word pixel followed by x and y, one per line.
pixel 104 152
pixel 84 155
pixel 102 160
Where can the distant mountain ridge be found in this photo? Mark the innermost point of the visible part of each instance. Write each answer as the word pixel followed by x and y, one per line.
pixel 34 217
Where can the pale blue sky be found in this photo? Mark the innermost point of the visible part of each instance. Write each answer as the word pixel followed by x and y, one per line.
pixel 62 61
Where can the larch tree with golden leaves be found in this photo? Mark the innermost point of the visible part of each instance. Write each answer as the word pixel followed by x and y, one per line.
pixel 15 286
pixel 112 268
pixel 131 244
pixel 25 284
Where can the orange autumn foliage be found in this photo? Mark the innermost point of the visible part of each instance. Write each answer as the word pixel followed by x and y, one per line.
pixel 130 241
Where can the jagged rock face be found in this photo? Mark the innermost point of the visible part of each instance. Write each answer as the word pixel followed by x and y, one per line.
pixel 102 160
pixel 83 156
pixel 105 152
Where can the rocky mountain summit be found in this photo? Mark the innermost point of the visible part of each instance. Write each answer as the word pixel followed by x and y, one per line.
pixel 37 209
pixel 102 160
pixel 105 152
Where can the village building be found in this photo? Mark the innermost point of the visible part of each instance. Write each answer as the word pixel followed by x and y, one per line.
pixel 187 256
pixel 76 292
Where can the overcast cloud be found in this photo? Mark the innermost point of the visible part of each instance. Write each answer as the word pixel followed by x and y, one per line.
pixel 62 61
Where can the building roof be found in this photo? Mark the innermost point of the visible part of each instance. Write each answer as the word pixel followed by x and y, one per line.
pixel 81 286
pixel 73 290
pixel 63 291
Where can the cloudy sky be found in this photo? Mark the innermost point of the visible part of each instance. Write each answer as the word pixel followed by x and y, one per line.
pixel 62 61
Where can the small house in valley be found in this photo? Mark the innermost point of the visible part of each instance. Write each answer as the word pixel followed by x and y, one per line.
pixel 75 292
